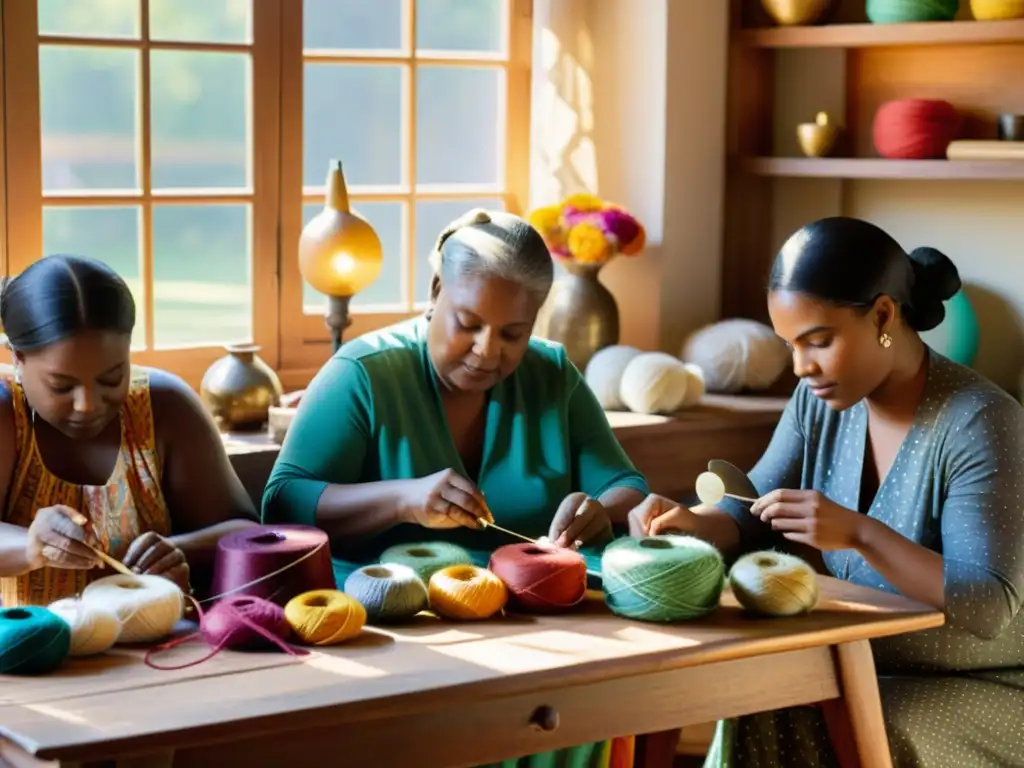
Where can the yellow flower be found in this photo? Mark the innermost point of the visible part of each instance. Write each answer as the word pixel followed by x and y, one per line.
pixel 587 244
pixel 583 201
pixel 547 220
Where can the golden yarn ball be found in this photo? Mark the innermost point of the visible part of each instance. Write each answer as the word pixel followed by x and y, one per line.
pixel 774 584
pixel 997 10
pixel 466 592
pixel 325 616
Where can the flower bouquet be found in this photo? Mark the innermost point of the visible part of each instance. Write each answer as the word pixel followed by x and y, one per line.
pixel 585 230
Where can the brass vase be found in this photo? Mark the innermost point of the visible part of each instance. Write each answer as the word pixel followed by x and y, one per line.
pixel 239 389
pixel 583 315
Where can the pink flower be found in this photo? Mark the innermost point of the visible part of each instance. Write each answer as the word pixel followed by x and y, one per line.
pixel 619 223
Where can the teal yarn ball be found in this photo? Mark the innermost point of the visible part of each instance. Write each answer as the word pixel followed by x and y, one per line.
pixel 33 640
pixel 427 558
pixel 389 592
pixel 907 11
pixel 662 578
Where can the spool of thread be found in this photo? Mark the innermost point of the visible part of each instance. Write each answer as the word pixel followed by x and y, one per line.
pixel 389 592
pixel 915 129
pixel 148 607
pixel 325 617
pixel 94 627
pixel 273 562
pixel 467 592
pixel 907 11
pixel 541 578
pixel 236 622
pixel 774 584
pixel 662 578
pixel 33 640
pixel 427 558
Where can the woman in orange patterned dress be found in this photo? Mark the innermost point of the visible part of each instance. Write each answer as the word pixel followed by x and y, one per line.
pixel 96 453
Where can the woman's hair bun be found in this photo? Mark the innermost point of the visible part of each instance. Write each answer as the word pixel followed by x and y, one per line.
pixel 935 279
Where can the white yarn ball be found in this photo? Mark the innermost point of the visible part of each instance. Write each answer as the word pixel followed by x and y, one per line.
pixel 147 606
pixel 695 387
pixel 737 354
pixel 604 374
pixel 654 382
pixel 94 628
pixel 774 584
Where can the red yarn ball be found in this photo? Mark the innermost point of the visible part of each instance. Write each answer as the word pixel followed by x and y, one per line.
pixel 915 129
pixel 541 578
pixel 242 622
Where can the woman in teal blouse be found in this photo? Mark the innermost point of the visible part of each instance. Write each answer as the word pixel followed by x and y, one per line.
pixel 459 415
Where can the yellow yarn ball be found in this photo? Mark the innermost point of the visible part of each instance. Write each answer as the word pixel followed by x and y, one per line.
pixel 325 616
pixel 774 584
pixel 997 10
pixel 466 592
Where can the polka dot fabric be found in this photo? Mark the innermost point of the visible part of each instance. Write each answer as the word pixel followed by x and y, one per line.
pixel 953 697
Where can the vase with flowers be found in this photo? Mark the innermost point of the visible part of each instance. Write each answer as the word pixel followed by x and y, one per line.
pixel 583 234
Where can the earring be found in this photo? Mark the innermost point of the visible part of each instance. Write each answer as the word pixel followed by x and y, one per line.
pixel 885 340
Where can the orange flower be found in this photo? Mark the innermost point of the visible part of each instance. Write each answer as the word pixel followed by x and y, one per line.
pixel 587 244
pixel 635 245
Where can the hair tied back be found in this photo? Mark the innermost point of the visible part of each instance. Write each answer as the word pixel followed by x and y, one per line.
pixel 936 279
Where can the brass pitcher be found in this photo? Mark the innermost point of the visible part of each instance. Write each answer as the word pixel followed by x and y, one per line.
pixel 239 388
pixel 583 315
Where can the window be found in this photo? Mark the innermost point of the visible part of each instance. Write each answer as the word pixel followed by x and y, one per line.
pixel 186 142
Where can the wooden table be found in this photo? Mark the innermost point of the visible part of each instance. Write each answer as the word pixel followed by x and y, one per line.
pixel 460 694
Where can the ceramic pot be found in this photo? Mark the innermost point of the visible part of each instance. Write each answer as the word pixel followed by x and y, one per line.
pixel 583 315
pixel 239 389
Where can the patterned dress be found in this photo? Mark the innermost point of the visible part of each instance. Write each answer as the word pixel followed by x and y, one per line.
pixel 953 697
pixel 129 504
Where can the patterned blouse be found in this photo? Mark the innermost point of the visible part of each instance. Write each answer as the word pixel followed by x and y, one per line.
pixel 129 504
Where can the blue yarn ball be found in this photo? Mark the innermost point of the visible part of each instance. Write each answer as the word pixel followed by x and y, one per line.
pixel 33 640
pixel 388 592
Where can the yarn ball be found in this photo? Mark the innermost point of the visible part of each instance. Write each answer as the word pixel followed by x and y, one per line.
pixel 662 578
pixel 228 624
pixel 604 374
pixel 147 606
pixel 94 628
pixel 541 577
pixel 774 584
pixel 695 386
pixel 915 129
pixel 388 592
pixel 33 640
pixel 905 11
pixel 427 558
pixel 654 382
pixel 997 10
pixel 737 354
pixel 325 616
pixel 467 592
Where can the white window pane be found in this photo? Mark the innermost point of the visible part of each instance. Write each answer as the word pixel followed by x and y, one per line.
pixel 89 18
pixel 201 21
pixel 110 234
pixel 432 216
pixel 353 112
pixel 390 223
pixel 353 24
pixel 88 106
pixel 459 125
pixel 200 118
pixel 460 25
pixel 201 272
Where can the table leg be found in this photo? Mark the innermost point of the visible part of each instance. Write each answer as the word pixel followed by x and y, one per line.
pixel 656 750
pixel 855 722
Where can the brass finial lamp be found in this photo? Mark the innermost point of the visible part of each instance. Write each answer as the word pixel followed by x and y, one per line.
pixel 339 253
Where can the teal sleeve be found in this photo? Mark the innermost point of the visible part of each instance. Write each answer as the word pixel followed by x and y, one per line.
pixel 599 462
pixel 326 443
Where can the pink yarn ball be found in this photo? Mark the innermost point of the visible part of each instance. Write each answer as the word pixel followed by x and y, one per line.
pixel 235 623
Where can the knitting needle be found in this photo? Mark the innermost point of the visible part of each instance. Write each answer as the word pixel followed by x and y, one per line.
pixel 496 527
pixel 117 565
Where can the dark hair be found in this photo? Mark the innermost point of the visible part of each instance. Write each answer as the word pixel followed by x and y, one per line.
pixel 59 296
pixel 851 262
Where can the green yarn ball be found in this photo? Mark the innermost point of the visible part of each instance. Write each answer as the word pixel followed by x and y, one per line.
pixel 427 558
pixel 33 640
pixel 906 11
pixel 662 578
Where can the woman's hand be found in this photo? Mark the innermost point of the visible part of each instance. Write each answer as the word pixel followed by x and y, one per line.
pixel 444 499
pixel 656 515
pixel 57 538
pixel 810 518
pixel 578 521
pixel 153 555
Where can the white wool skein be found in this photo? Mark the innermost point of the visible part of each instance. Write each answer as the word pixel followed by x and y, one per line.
pixel 737 354
pixel 94 628
pixel 604 374
pixel 148 606
pixel 654 382
pixel 774 584
pixel 694 385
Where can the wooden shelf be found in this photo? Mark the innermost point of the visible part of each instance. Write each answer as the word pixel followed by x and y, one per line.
pixel 879 168
pixel 872 35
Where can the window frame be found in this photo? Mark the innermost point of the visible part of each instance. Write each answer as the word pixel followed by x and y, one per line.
pixel 293 343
